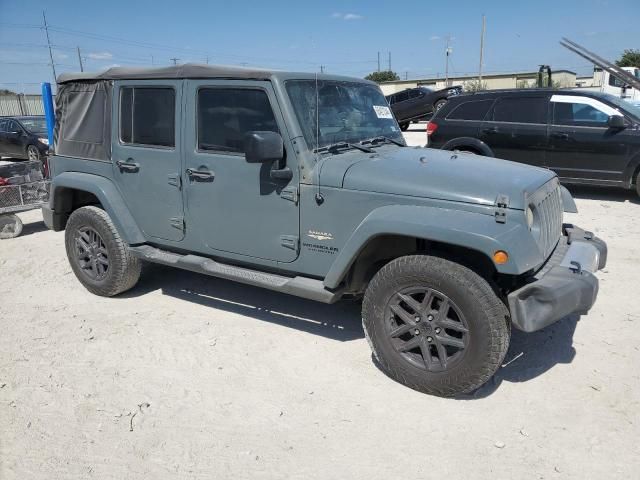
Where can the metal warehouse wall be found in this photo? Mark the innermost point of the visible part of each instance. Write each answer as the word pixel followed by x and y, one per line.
pixel 21 105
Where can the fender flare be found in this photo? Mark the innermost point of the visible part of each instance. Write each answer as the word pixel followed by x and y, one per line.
pixel 632 166
pixel 476 144
pixel 109 197
pixel 476 231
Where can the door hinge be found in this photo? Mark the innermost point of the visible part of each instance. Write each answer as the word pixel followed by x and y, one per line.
pixel 176 180
pixel 177 222
pixel 502 203
pixel 290 241
pixel 290 194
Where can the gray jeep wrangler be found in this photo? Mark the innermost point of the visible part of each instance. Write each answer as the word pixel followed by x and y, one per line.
pixel 303 184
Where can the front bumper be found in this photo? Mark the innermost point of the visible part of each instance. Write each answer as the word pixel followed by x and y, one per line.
pixel 565 285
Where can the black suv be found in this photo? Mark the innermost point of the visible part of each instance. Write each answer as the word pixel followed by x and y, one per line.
pixel 585 137
pixel 414 104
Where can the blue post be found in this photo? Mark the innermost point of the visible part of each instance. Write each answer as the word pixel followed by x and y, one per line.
pixel 49 112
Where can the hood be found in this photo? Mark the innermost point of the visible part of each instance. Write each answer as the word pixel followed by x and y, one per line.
pixel 430 173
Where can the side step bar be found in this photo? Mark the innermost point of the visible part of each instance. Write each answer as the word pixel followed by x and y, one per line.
pixel 298 286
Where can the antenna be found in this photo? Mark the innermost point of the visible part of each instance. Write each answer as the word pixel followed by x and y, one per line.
pixel 46 29
pixel 319 197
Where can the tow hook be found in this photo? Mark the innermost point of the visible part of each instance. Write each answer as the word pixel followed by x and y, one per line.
pixel 575 267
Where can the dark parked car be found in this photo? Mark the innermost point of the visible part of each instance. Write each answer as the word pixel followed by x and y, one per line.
pixel 23 137
pixel 416 104
pixel 585 137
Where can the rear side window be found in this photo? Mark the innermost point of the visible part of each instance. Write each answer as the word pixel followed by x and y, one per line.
pixel 475 110
pixel 225 115
pixel 402 96
pixel 521 110
pixel 148 116
pixel 416 93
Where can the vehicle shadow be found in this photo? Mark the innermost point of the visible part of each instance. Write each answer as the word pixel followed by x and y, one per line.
pixel 33 227
pixel 603 193
pixel 531 355
pixel 340 321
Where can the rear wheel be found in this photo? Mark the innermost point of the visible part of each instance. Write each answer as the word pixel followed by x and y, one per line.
pixel 434 325
pixel 439 104
pixel 33 153
pixel 404 126
pixel 100 259
pixel 10 226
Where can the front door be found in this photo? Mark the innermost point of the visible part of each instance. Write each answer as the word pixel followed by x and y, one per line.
pixel 146 154
pixel 12 139
pixel 582 147
pixel 516 129
pixel 235 207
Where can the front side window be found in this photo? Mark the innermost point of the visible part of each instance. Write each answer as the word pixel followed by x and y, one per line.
pixel 3 125
pixel 416 93
pixel 579 114
pixel 225 115
pixel 475 110
pixel 147 116
pixel 332 111
pixel 521 110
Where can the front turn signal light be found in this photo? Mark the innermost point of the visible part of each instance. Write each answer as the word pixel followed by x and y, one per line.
pixel 500 257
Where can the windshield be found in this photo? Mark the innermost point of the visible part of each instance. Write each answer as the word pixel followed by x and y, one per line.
pixel 625 105
pixel 36 125
pixel 347 112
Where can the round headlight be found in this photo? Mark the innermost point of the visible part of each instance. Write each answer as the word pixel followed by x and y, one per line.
pixel 529 214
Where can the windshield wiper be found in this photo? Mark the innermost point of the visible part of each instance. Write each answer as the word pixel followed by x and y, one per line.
pixel 382 139
pixel 335 148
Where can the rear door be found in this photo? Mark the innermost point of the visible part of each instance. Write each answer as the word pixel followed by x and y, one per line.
pixel 582 146
pixel 516 128
pixel 401 105
pixel 417 105
pixel 13 138
pixel 235 207
pixel 146 154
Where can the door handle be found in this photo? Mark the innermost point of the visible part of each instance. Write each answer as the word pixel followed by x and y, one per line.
pixel 128 166
pixel 490 130
pixel 200 175
pixel 560 135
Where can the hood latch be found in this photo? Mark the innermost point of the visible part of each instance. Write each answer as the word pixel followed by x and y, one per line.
pixel 502 203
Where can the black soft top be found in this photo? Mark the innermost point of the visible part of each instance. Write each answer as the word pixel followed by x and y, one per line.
pixel 188 70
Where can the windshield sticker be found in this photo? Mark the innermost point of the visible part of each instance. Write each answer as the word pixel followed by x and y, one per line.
pixel 382 111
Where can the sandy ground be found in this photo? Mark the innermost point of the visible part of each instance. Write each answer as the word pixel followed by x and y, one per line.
pixel 192 377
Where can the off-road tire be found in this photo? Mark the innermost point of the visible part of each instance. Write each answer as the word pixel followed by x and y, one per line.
pixel 123 269
pixel 486 316
pixel 10 226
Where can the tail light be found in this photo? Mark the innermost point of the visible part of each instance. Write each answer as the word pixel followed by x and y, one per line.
pixel 3 182
pixel 431 128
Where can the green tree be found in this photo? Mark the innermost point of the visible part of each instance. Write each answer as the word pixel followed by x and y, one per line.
pixel 474 86
pixel 629 58
pixel 384 76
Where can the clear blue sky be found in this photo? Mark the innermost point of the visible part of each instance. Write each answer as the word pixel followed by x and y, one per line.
pixel 302 35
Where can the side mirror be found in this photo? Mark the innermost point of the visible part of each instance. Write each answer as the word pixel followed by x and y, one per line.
pixel 261 147
pixel 616 122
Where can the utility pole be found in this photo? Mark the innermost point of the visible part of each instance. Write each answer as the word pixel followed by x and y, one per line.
pixel 378 61
pixel 174 60
pixel 46 29
pixel 321 68
pixel 484 26
pixel 389 61
pixel 207 59
pixel 152 60
pixel 406 75
pixel 80 60
pixel 446 71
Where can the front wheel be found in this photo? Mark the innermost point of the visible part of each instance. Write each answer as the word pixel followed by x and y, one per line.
pixel 98 256
pixel 33 153
pixel 435 325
